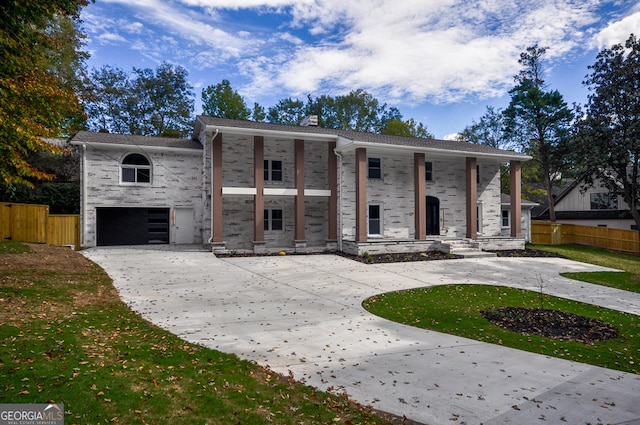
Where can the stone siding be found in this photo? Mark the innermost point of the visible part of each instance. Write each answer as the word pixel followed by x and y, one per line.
pixel 176 182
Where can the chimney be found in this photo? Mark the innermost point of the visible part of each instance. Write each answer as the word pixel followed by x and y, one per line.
pixel 309 121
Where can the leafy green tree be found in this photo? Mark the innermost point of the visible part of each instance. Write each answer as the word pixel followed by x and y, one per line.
pixel 258 113
pixel 540 121
pixel 488 131
pixel 105 90
pixel 222 101
pixel 607 142
pixel 146 102
pixel 35 102
pixel 165 100
pixel 287 111
pixel 408 128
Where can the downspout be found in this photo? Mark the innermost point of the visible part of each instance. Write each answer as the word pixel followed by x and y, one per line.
pixel 83 205
pixel 211 200
pixel 339 199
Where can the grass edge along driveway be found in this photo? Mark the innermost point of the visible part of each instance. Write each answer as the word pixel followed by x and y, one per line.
pixel 455 309
pixel 66 337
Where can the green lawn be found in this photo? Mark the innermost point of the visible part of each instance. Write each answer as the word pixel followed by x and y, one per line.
pixel 66 337
pixel 455 309
pixel 629 280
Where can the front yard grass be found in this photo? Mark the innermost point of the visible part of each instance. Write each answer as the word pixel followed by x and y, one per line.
pixel 455 309
pixel 628 280
pixel 66 337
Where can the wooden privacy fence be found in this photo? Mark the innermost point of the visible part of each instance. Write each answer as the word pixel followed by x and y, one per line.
pixel 33 224
pixel 621 240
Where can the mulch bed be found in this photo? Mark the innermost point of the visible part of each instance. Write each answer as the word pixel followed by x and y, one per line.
pixel 527 253
pixel 437 255
pixel 400 257
pixel 551 323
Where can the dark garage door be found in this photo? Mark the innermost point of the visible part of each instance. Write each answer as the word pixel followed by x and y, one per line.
pixel 132 226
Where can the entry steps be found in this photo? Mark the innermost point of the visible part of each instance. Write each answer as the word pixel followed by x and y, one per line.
pixel 466 248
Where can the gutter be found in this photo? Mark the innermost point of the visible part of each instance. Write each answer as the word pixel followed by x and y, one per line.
pixel 349 145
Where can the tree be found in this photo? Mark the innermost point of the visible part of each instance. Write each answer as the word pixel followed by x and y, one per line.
pixel 35 102
pixel 539 121
pixel 222 101
pixel 166 100
pixel 408 128
pixel 608 132
pixel 145 102
pixel 106 88
pixel 287 111
pixel 488 131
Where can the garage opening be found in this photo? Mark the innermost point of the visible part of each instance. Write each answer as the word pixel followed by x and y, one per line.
pixel 132 226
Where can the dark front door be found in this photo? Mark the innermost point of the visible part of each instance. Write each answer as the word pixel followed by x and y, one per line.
pixel 433 215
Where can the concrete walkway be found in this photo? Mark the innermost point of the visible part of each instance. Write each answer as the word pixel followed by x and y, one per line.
pixel 303 315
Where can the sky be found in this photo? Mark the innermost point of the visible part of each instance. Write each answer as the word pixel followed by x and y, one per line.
pixel 440 62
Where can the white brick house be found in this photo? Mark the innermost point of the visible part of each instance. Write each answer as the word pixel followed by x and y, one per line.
pixel 256 187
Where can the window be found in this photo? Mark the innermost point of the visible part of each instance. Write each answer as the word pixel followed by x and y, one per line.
pixel 505 218
pixel 375 168
pixel 272 170
pixel 136 168
pixel 375 220
pixel 477 174
pixel 273 220
pixel 603 201
pixel 428 171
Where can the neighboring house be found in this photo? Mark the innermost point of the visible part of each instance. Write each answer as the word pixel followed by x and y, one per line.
pixel 256 187
pixel 590 206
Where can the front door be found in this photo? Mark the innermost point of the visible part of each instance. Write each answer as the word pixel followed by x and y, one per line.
pixel 433 215
pixel 183 224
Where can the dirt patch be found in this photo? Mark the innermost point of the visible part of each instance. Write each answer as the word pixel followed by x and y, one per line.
pixel 46 257
pixel 551 323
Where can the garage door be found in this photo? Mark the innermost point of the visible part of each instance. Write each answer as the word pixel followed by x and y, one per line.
pixel 132 226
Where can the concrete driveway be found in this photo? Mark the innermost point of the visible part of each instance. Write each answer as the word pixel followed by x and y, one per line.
pixel 303 315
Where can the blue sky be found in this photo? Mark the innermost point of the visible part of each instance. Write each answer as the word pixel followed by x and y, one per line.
pixel 440 62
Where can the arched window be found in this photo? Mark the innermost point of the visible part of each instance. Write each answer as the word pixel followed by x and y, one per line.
pixel 136 168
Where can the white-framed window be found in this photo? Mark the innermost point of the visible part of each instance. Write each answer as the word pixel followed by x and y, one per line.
pixel 374 167
pixel 505 218
pixel 428 171
pixel 273 220
pixel 477 174
pixel 374 219
pixel 273 170
pixel 135 168
pixel 603 201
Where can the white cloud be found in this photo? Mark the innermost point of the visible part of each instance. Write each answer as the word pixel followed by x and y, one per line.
pixel 406 50
pixel 618 31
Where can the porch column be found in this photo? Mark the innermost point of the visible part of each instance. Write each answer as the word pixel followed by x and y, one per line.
pixel 515 178
pixel 299 236
pixel 258 199
pixel 472 198
pixel 361 195
pixel 333 199
pixel 420 197
pixel 216 188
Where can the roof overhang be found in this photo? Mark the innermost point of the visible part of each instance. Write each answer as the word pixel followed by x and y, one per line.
pixel 246 131
pixel 138 148
pixel 346 145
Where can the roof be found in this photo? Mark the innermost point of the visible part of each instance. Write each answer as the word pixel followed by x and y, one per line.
pixel 87 137
pixel 506 200
pixel 357 138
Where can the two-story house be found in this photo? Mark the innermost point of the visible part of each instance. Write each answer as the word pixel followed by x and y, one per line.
pixel 257 187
